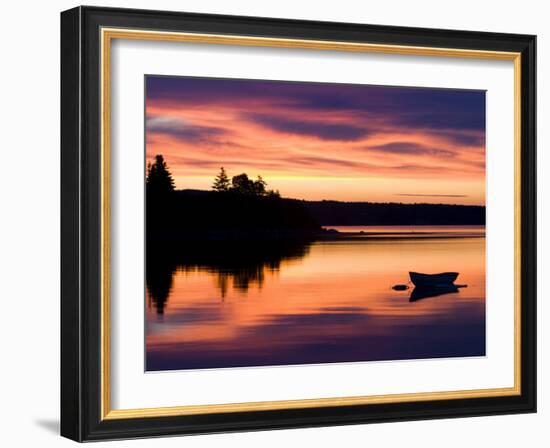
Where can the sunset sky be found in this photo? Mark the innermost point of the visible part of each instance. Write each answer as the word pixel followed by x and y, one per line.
pixel 321 141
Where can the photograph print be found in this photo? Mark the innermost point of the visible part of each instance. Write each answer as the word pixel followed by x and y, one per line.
pixel 295 223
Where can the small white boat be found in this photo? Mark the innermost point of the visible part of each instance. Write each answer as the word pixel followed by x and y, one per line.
pixel 431 280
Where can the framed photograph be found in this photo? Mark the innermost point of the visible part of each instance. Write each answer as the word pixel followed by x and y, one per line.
pixel 274 224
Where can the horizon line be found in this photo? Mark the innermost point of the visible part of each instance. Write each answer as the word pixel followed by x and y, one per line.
pixel 365 201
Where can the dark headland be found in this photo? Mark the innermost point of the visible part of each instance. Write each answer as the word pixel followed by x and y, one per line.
pixel 242 209
pixel 190 214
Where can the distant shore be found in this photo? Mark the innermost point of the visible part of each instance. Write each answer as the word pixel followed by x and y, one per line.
pixel 334 234
pixel 273 235
pixel 231 217
pixel 341 213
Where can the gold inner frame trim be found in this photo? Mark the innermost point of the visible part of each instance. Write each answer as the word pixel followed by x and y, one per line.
pixel 107 35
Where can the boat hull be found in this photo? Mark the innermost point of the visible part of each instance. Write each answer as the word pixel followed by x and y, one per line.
pixel 431 280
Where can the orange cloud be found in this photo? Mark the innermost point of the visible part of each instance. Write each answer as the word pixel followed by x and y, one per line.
pixel 339 148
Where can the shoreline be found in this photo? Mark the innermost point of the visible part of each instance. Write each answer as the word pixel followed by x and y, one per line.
pixel 235 236
pixel 395 235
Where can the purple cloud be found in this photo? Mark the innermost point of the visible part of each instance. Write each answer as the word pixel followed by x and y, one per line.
pixel 183 130
pixel 319 129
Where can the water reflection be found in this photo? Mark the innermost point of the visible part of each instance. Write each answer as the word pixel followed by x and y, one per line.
pixel 237 265
pixel 419 293
pixel 230 305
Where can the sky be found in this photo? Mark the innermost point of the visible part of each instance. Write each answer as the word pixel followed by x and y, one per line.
pixel 315 141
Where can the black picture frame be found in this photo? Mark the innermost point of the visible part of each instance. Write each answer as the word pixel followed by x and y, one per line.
pixel 81 224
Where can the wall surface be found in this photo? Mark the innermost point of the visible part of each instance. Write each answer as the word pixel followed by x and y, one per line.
pixel 29 235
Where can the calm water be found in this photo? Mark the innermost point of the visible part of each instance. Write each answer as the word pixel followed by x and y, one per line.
pixel 317 302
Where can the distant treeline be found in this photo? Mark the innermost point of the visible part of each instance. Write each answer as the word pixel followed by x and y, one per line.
pixel 228 212
pixel 335 213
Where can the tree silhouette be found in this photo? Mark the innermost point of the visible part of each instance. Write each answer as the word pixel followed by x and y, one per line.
pixel 221 183
pixel 260 186
pixel 159 180
pixel 243 185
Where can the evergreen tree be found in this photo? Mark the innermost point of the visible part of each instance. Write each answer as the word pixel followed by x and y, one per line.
pixel 159 180
pixel 221 183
